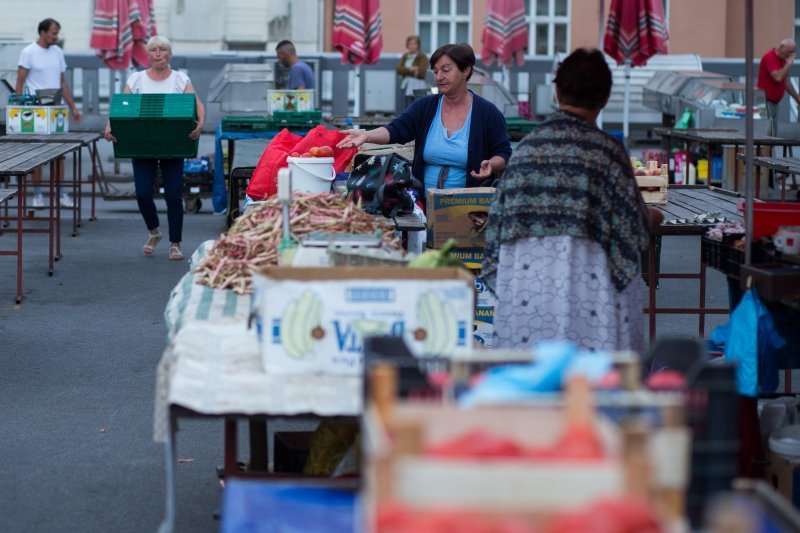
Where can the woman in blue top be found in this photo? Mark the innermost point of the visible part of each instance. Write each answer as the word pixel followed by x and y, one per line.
pixel 460 138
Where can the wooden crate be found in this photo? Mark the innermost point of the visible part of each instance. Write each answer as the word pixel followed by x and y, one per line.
pixel 654 188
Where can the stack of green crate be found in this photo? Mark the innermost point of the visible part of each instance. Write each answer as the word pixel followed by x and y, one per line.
pixel 245 123
pixel 519 127
pixel 295 120
pixel 153 126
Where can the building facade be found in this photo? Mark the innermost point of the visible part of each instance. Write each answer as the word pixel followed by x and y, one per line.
pixel 710 28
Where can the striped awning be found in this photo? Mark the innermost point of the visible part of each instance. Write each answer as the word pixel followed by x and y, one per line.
pixel 357 31
pixel 505 33
pixel 636 30
pixel 120 30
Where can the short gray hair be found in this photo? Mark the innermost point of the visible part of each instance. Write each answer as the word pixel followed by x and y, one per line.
pixel 159 42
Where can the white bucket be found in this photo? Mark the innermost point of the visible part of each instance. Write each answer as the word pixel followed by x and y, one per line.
pixel 312 174
pixel 786 442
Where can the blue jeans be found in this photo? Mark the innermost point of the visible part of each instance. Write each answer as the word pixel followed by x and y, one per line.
pixel 144 174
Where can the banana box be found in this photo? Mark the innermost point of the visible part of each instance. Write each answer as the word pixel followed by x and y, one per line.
pixel 483 296
pixel 460 214
pixel 314 320
pixel 472 258
pixel 483 327
pixel 38 119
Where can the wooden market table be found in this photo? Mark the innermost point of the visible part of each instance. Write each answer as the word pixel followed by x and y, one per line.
pixel 712 138
pixel 20 159
pixel 5 196
pixel 87 139
pixel 783 166
pixel 685 202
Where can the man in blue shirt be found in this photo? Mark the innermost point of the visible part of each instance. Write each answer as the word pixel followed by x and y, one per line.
pixel 300 74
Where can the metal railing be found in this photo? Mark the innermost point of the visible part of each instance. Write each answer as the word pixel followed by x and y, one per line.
pixel 93 83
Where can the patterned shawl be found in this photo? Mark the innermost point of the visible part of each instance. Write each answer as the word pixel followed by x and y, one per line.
pixel 569 178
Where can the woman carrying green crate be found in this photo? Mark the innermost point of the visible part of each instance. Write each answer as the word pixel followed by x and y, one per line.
pixel 161 79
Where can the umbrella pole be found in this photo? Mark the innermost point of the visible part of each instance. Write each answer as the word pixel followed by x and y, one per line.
pixel 507 77
pixel 601 26
pixel 748 130
pixel 357 95
pixel 626 101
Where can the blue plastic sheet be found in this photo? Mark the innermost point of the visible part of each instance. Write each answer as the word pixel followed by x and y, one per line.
pixel 750 341
pixel 267 506
pixel 555 363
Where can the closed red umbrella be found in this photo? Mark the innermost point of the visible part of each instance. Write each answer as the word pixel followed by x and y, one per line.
pixel 120 31
pixel 505 33
pixel 636 30
pixel 358 35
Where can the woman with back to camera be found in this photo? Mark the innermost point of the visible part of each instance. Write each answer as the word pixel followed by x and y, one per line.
pixel 161 79
pixel 412 68
pixel 460 138
pixel 568 225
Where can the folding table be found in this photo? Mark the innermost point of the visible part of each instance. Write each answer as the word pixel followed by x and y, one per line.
pixel 87 139
pixel 5 196
pixel 685 202
pixel 20 159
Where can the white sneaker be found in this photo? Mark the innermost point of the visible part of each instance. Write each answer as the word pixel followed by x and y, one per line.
pixel 66 201
pixel 38 201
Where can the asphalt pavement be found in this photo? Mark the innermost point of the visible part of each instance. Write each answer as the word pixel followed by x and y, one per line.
pixel 77 376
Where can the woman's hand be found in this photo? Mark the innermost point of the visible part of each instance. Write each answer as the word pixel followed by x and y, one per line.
pixel 107 134
pixel 484 172
pixel 353 139
pixel 195 134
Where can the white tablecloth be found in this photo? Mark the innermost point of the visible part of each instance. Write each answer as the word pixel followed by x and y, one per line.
pixel 215 369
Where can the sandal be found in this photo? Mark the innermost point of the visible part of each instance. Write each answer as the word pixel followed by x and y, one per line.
pixel 175 253
pixel 150 246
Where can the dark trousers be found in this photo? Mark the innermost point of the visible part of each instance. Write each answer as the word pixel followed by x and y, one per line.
pixel 144 177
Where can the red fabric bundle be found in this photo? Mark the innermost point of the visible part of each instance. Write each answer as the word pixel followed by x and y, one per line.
pixel 264 182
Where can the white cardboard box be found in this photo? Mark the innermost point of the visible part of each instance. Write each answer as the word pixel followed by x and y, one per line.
pixel 484 326
pixel 314 319
pixel 38 119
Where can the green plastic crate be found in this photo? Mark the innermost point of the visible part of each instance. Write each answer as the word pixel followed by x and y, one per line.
pixel 245 123
pixel 295 120
pixel 153 126
pixel 519 127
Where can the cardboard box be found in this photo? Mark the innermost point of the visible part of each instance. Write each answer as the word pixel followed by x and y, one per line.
pixel 472 258
pixel 484 326
pixel 784 476
pixel 39 119
pixel 290 100
pixel 314 319
pixel 460 214
pixel 483 296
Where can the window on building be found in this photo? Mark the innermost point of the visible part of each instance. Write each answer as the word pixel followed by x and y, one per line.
pixel 443 21
pixel 548 21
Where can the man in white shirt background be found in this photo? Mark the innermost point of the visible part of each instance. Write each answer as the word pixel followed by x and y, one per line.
pixel 42 66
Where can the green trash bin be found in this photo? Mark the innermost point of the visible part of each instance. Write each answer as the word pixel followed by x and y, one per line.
pixel 154 126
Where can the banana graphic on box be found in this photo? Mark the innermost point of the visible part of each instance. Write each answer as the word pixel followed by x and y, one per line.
pixel 438 321
pixel 300 318
pixel 365 327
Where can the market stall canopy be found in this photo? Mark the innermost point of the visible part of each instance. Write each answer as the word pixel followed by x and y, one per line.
pixel 357 31
pixel 505 33
pixel 120 30
pixel 636 30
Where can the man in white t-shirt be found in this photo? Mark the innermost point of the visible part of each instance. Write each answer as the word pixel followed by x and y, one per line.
pixel 42 66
